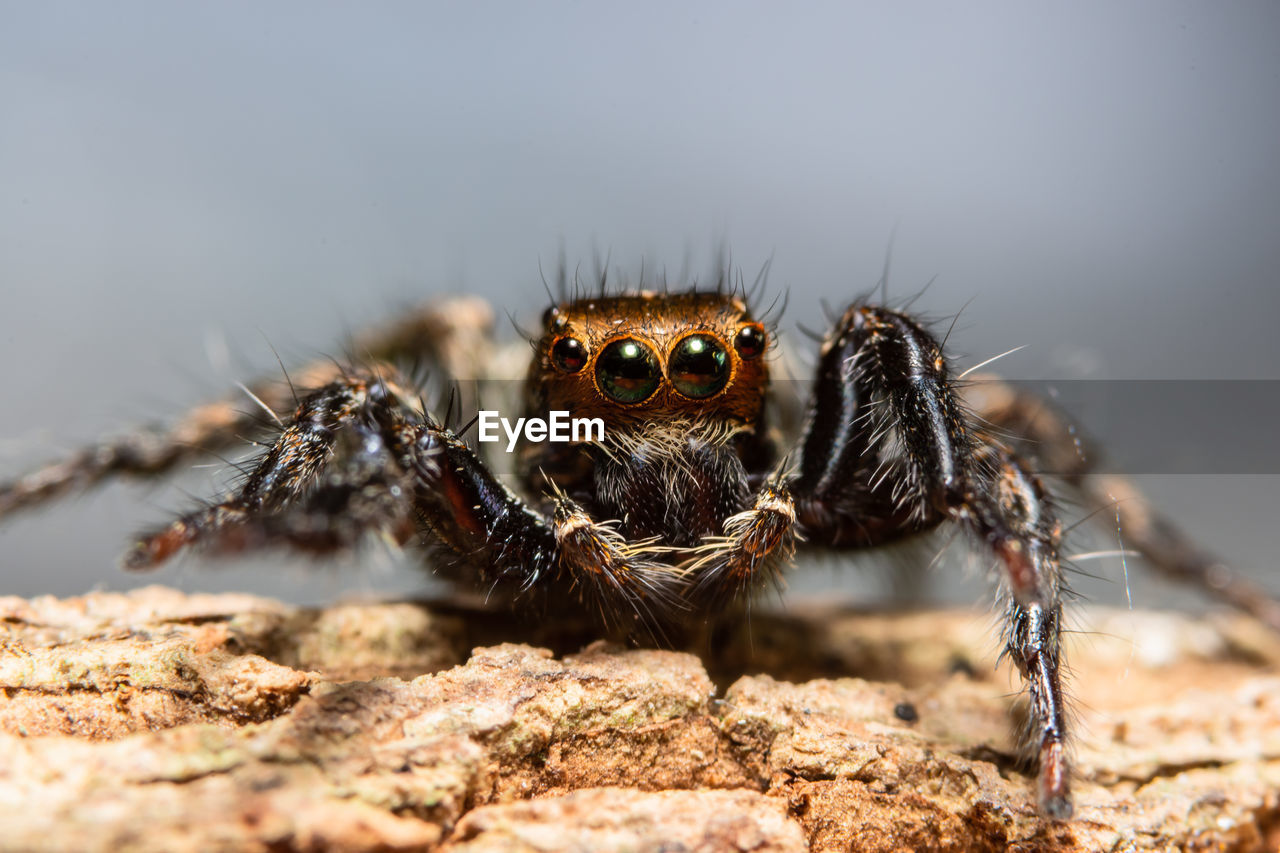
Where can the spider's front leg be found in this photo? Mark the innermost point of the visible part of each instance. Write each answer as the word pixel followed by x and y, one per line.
pixel 357 460
pixel 890 452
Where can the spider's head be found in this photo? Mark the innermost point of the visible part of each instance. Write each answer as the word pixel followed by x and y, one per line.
pixel 640 358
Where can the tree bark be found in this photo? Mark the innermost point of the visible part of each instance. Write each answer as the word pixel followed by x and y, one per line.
pixel 160 721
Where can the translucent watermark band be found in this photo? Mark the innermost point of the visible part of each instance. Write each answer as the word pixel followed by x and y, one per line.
pixel 1142 426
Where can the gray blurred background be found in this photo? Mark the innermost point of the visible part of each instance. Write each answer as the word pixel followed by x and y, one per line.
pixel 181 184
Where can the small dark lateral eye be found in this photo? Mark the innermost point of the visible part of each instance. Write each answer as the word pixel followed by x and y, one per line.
pixel 569 355
pixel 628 371
pixel 750 341
pixel 699 366
pixel 553 319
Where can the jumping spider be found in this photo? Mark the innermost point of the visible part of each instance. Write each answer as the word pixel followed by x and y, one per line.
pixel 684 505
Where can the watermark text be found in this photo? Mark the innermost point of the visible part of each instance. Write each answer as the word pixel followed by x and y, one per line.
pixel 558 426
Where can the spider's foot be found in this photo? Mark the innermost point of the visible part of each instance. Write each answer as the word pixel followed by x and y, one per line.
pixel 150 551
pixel 1054 790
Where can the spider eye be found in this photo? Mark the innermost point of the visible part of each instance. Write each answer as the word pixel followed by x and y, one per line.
pixel 628 371
pixel 553 318
pixel 569 355
pixel 750 340
pixel 699 366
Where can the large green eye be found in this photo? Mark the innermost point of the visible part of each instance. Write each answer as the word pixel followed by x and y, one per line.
pixel 628 371
pixel 699 366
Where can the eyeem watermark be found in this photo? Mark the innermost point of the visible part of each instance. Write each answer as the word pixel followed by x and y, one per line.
pixel 558 427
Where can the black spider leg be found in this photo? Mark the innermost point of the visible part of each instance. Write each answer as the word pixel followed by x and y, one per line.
pixel 444 336
pixel 501 544
pixel 890 452
pixel 1055 445
pixel 356 460
pixel 335 474
pixel 844 488
pixel 1012 512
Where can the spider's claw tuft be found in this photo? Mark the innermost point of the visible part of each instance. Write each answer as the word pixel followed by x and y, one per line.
pixel 150 552
pixel 1054 791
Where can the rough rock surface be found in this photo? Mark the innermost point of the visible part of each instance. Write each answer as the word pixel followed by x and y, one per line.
pixel 161 721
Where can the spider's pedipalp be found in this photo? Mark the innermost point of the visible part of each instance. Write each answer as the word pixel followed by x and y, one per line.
pixel 616 577
pixel 757 544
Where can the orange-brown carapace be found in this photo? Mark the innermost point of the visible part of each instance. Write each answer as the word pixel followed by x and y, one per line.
pixel 644 357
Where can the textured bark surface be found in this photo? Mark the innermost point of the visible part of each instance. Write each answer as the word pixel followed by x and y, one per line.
pixel 161 721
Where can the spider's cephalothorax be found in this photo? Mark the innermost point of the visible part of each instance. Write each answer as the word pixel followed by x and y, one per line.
pixel 681 506
pixel 679 383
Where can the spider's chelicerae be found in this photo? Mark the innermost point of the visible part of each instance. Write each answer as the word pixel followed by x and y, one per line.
pixel 684 504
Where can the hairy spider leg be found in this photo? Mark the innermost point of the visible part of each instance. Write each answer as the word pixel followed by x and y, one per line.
pixel 338 471
pixel 890 451
pixel 1047 437
pixel 1013 514
pixel 443 336
pixel 356 460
